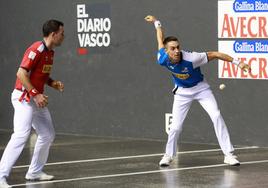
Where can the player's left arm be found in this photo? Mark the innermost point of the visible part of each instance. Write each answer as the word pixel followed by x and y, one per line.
pixel 56 84
pixel 225 57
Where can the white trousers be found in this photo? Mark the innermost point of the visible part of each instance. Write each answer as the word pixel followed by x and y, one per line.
pixel 182 102
pixel 26 116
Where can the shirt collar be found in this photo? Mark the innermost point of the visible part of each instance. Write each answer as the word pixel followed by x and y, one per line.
pixel 45 46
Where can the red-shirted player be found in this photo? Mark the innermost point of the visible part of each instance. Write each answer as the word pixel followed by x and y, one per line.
pixel 30 103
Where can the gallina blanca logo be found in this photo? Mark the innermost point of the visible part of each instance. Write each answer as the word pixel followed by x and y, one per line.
pixel 250 6
pixel 93 28
pixel 243 33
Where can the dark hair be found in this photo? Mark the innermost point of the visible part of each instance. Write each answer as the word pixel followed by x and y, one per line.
pixel 169 39
pixel 51 26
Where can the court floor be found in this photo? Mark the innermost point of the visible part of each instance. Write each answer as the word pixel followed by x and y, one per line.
pixel 88 161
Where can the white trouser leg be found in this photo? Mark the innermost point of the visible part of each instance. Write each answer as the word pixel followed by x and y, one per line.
pixel 43 126
pixel 22 128
pixel 181 106
pixel 208 102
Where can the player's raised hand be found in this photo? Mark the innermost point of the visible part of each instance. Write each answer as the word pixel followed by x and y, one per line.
pixel 245 67
pixel 150 18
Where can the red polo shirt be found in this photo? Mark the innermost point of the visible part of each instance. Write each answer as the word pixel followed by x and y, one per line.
pixel 38 61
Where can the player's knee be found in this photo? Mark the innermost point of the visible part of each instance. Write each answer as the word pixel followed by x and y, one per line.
pixel 52 137
pixel 48 138
pixel 175 129
pixel 21 136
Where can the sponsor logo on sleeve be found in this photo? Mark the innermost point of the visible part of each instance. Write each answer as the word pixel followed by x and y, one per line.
pixel 31 55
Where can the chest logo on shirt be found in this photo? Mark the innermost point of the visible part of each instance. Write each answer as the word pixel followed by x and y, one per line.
pixel 46 68
pixel 182 76
pixel 171 67
pixel 185 69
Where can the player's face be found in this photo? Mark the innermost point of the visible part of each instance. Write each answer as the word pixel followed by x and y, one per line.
pixel 58 36
pixel 173 51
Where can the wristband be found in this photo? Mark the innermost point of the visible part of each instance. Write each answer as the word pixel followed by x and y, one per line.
pixel 235 61
pixel 33 92
pixel 157 24
pixel 50 81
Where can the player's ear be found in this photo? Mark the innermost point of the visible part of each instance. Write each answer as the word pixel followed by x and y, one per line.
pixel 166 50
pixel 53 33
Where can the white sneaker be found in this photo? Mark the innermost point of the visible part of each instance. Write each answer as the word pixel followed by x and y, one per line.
pixel 3 183
pixel 38 177
pixel 231 160
pixel 166 160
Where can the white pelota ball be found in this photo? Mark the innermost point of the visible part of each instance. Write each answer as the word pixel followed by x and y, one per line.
pixel 222 86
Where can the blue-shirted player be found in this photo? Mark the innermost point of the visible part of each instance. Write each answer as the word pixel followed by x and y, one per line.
pixel 190 85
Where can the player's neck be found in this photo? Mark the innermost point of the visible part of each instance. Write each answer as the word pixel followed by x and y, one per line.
pixel 48 43
pixel 176 62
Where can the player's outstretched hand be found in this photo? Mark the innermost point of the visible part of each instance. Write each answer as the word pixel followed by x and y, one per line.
pixel 150 18
pixel 245 67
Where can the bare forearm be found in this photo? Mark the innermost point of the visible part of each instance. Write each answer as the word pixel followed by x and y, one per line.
pixel 226 57
pixel 40 99
pixel 160 37
pixel 23 76
pixel 219 55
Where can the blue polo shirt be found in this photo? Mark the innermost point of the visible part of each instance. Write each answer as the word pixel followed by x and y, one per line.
pixel 186 73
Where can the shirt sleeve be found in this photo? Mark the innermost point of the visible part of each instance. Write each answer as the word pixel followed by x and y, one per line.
pixel 199 59
pixel 30 59
pixel 162 57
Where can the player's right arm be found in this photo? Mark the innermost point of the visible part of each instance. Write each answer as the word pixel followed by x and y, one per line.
pixel 40 99
pixel 29 61
pixel 159 30
pixel 23 76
